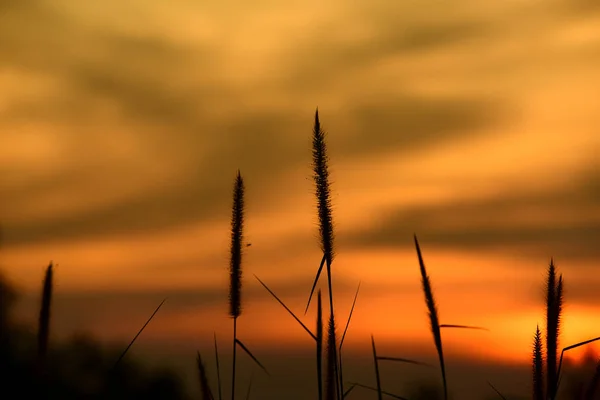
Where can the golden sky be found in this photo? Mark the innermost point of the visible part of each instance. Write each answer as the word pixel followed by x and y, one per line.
pixel 473 124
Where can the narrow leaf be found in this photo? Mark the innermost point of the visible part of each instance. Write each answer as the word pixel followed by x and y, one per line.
pixel 403 360
pixel 375 390
pixel 239 342
pixel 464 327
pixel 249 386
pixel 349 317
pixel 218 369
pixel 342 340
pixel 139 333
pixel 573 346
pixel 347 392
pixel 497 391
pixel 287 309
pixel 312 290
pixel 204 386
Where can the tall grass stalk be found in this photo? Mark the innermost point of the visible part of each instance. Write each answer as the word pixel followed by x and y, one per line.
pixel 433 315
pixel 319 339
pixel 323 195
pixel 553 310
pixel 235 265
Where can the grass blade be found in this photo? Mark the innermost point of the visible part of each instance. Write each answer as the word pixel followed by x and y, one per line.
pixel 312 290
pixel 573 346
pixel 376 362
pixel 205 391
pixel 344 336
pixel 249 386
pixel 497 391
pixel 138 334
pixel 239 342
pixel 347 392
pixel 349 317
pixel 464 327
pixel 375 390
pixel 218 369
pixel 403 360
pixel 286 307
pixel 433 315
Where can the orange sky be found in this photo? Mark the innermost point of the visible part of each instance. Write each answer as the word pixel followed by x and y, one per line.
pixel 473 124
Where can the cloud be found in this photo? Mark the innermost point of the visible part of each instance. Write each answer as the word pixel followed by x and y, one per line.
pixel 563 223
pixel 134 132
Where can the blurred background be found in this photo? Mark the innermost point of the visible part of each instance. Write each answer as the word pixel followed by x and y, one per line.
pixel 472 124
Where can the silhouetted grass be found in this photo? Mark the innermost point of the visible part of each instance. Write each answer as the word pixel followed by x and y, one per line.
pixel 138 334
pixel 205 391
pixel 235 266
pixel 44 319
pixel 538 366
pixel 433 316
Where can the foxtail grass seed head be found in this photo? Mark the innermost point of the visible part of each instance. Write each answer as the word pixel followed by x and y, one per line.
pixel 553 310
pixel 235 266
pixel 433 315
pixel 322 191
pixel 538 366
pixel 331 382
pixel 44 319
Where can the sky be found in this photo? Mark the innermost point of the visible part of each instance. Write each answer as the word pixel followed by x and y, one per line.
pixel 471 124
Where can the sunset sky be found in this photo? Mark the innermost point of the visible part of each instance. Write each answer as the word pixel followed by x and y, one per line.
pixel 474 124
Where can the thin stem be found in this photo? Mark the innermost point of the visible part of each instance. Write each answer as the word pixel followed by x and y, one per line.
pixel 234 357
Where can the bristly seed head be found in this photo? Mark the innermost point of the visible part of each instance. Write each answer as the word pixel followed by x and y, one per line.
pixel 44 319
pixel 321 177
pixel 235 265
pixel 537 366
